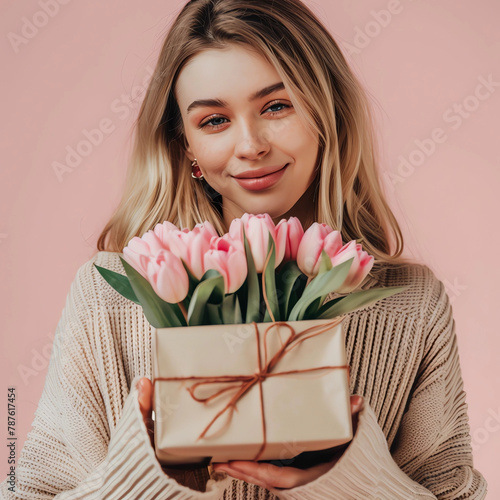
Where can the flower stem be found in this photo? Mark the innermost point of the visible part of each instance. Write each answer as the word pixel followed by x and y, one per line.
pixel 264 288
pixel 183 310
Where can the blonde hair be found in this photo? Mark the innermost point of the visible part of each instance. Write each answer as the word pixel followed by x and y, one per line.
pixel 323 89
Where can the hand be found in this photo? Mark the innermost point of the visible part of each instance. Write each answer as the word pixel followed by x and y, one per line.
pixel 182 476
pixel 145 387
pixel 269 476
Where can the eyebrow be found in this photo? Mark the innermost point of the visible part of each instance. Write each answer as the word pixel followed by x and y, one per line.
pixel 222 104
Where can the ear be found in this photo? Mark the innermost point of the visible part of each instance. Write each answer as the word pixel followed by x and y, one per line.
pixel 189 154
pixel 187 149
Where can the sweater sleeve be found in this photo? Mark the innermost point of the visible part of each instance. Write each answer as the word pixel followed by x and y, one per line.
pixel 72 450
pixel 431 456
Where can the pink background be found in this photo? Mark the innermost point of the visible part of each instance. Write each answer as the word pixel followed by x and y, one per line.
pixel 422 62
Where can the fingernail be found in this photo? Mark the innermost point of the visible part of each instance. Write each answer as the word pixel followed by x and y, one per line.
pixel 220 468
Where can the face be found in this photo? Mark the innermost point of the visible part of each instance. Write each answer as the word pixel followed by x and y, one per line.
pixel 238 120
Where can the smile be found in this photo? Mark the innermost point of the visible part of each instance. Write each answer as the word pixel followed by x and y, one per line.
pixel 260 183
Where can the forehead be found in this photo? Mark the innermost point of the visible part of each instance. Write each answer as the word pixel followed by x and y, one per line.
pixel 235 71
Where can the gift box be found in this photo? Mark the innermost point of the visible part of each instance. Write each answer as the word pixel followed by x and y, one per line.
pixel 255 391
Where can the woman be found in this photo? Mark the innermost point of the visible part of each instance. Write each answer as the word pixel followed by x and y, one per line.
pixel 241 90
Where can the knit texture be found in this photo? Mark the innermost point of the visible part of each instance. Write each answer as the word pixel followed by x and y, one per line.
pixel 88 439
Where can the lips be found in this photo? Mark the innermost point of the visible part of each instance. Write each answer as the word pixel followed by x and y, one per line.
pixel 264 181
pixel 259 172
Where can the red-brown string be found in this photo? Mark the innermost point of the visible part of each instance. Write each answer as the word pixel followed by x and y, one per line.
pixel 247 381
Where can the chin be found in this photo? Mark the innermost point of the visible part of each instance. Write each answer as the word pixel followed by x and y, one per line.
pixel 274 213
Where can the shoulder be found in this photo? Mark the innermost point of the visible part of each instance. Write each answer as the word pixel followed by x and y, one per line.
pixel 424 292
pixel 93 288
pixel 416 275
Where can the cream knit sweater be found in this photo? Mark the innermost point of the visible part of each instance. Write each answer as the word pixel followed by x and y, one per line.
pixel 88 440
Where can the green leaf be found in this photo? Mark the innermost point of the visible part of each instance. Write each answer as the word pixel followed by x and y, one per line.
pixel 208 288
pixel 297 292
pixel 214 314
pixel 312 310
pixel 252 281
pixel 327 305
pixel 325 264
pixel 242 294
pixel 159 313
pixel 357 300
pixel 119 282
pixel 238 318
pixel 321 285
pixel 269 279
pixel 287 282
pixel 193 282
pixel 231 311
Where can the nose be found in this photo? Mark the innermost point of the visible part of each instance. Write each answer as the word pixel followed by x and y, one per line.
pixel 253 143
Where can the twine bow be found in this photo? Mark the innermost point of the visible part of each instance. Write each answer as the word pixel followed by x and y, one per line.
pixel 245 382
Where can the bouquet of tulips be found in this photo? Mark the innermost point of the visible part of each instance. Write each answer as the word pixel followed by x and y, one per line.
pixel 258 271
pixel 199 289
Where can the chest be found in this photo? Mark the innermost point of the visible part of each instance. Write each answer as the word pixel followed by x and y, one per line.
pixel 383 351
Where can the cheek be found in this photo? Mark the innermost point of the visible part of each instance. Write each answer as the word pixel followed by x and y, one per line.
pixel 212 154
pixel 296 138
pixel 217 144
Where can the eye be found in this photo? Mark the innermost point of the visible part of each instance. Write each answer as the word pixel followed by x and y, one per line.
pixel 278 104
pixel 215 126
pixel 209 122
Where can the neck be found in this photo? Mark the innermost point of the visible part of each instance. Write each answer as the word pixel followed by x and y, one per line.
pixel 303 209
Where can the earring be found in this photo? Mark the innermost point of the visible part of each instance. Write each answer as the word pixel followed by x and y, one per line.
pixel 195 170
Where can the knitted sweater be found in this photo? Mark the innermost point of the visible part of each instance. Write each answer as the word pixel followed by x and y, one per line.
pixel 88 439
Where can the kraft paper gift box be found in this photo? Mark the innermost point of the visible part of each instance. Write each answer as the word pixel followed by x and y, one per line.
pixel 303 411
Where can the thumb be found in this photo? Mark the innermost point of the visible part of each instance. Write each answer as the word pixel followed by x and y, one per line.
pixel 357 403
pixel 145 388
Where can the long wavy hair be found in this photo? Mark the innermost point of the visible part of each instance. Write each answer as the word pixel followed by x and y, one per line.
pixel 323 89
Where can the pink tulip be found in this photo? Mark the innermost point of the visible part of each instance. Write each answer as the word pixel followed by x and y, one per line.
pixel 191 246
pixel 318 237
pixel 138 250
pixel 168 277
pixel 257 230
pixel 291 231
pixel 360 267
pixel 228 257
pixel 162 230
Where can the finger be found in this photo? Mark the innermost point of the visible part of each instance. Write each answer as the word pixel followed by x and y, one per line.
pixel 245 477
pixel 145 388
pixel 357 403
pixel 146 395
pixel 274 476
pixel 268 475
